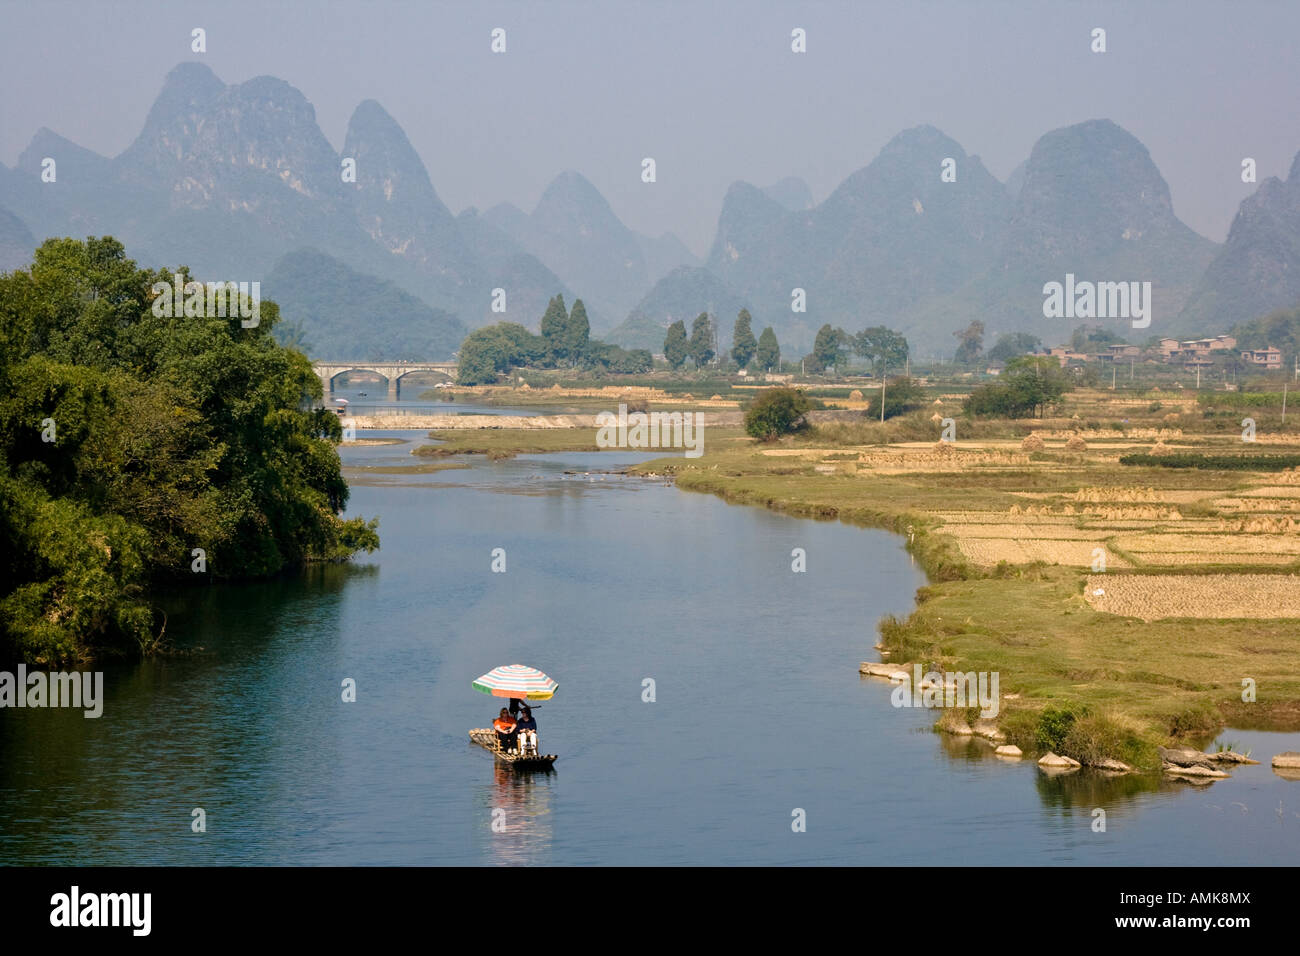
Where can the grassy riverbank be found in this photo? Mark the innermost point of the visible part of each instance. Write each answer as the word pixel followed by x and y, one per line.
pixel 1009 536
pixel 500 443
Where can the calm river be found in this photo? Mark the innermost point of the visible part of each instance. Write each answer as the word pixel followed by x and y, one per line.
pixel 609 581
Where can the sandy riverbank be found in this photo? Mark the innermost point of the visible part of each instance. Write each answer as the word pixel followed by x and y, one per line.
pixel 718 419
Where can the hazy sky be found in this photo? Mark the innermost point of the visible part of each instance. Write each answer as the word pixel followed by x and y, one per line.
pixel 710 89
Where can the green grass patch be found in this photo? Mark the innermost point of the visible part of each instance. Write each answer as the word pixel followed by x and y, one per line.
pixel 1214 462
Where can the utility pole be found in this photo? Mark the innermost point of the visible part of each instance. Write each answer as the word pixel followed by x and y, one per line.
pixel 1198 376
pixel 1284 383
pixel 1112 377
pixel 882 391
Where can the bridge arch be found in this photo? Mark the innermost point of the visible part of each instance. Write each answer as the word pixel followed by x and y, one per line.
pixel 391 372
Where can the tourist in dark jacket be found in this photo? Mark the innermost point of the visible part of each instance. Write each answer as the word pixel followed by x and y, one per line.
pixel 526 729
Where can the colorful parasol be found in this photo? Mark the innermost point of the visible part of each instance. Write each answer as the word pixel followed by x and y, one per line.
pixel 516 680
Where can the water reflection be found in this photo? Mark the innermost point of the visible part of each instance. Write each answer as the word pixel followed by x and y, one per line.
pixel 518 804
pixel 609 581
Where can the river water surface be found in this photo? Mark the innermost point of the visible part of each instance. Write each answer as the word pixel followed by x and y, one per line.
pixel 609 581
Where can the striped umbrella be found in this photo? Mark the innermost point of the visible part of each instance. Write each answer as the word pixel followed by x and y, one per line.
pixel 516 680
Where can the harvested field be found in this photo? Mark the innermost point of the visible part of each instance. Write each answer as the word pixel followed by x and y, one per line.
pixel 998 517
pixel 1152 597
pixel 1257 504
pixel 1211 543
pixel 987 552
pixel 1165 559
pixel 1272 491
pixel 1100 522
pixel 1048 532
pixel 1143 495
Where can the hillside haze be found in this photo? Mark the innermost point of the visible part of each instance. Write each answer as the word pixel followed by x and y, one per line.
pixel 236 180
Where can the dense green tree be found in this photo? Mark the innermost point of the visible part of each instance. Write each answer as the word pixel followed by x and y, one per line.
pixel 768 355
pixel 827 347
pixel 743 343
pixel 702 340
pixel 578 333
pixel 555 330
pixel 970 343
pixel 1012 345
pixel 611 358
pixel 1026 387
pixel 131 436
pixel 776 412
pixel 676 348
pixel 492 350
pixel 884 348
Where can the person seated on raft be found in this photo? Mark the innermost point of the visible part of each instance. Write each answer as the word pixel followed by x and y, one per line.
pixel 505 728
pixel 526 729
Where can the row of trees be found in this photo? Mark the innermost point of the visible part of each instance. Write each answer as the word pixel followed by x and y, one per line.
pixel 702 345
pixel 883 348
pixel 564 342
pixel 137 448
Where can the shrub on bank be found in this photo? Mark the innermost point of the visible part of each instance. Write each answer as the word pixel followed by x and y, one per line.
pixel 1054 724
pixel 776 412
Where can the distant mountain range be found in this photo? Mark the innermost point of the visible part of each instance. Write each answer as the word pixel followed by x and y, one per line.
pixel 331 301
pixel 1258 268
pixel 575 233
pixel 239 182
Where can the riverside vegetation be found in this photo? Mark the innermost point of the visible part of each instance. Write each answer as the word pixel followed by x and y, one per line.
pixel 138 451
pixel 1014 524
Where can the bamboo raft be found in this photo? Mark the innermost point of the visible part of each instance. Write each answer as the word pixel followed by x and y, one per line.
pixel 487 739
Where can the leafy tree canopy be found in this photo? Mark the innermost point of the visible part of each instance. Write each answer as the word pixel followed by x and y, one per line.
pixel 129 439
pixel 768 354
pixel 1026 386
pixel 970 343
pixel 1014 344
pixel 676 347
pixel 743 343
pixel 776 412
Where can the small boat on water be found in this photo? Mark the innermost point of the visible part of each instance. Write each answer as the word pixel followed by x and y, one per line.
pixel 486 738
pixel 517 683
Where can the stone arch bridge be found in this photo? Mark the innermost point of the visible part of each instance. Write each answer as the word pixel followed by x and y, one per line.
pixel 394 372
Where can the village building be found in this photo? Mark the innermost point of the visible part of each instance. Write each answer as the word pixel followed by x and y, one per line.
pixel 1267 358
